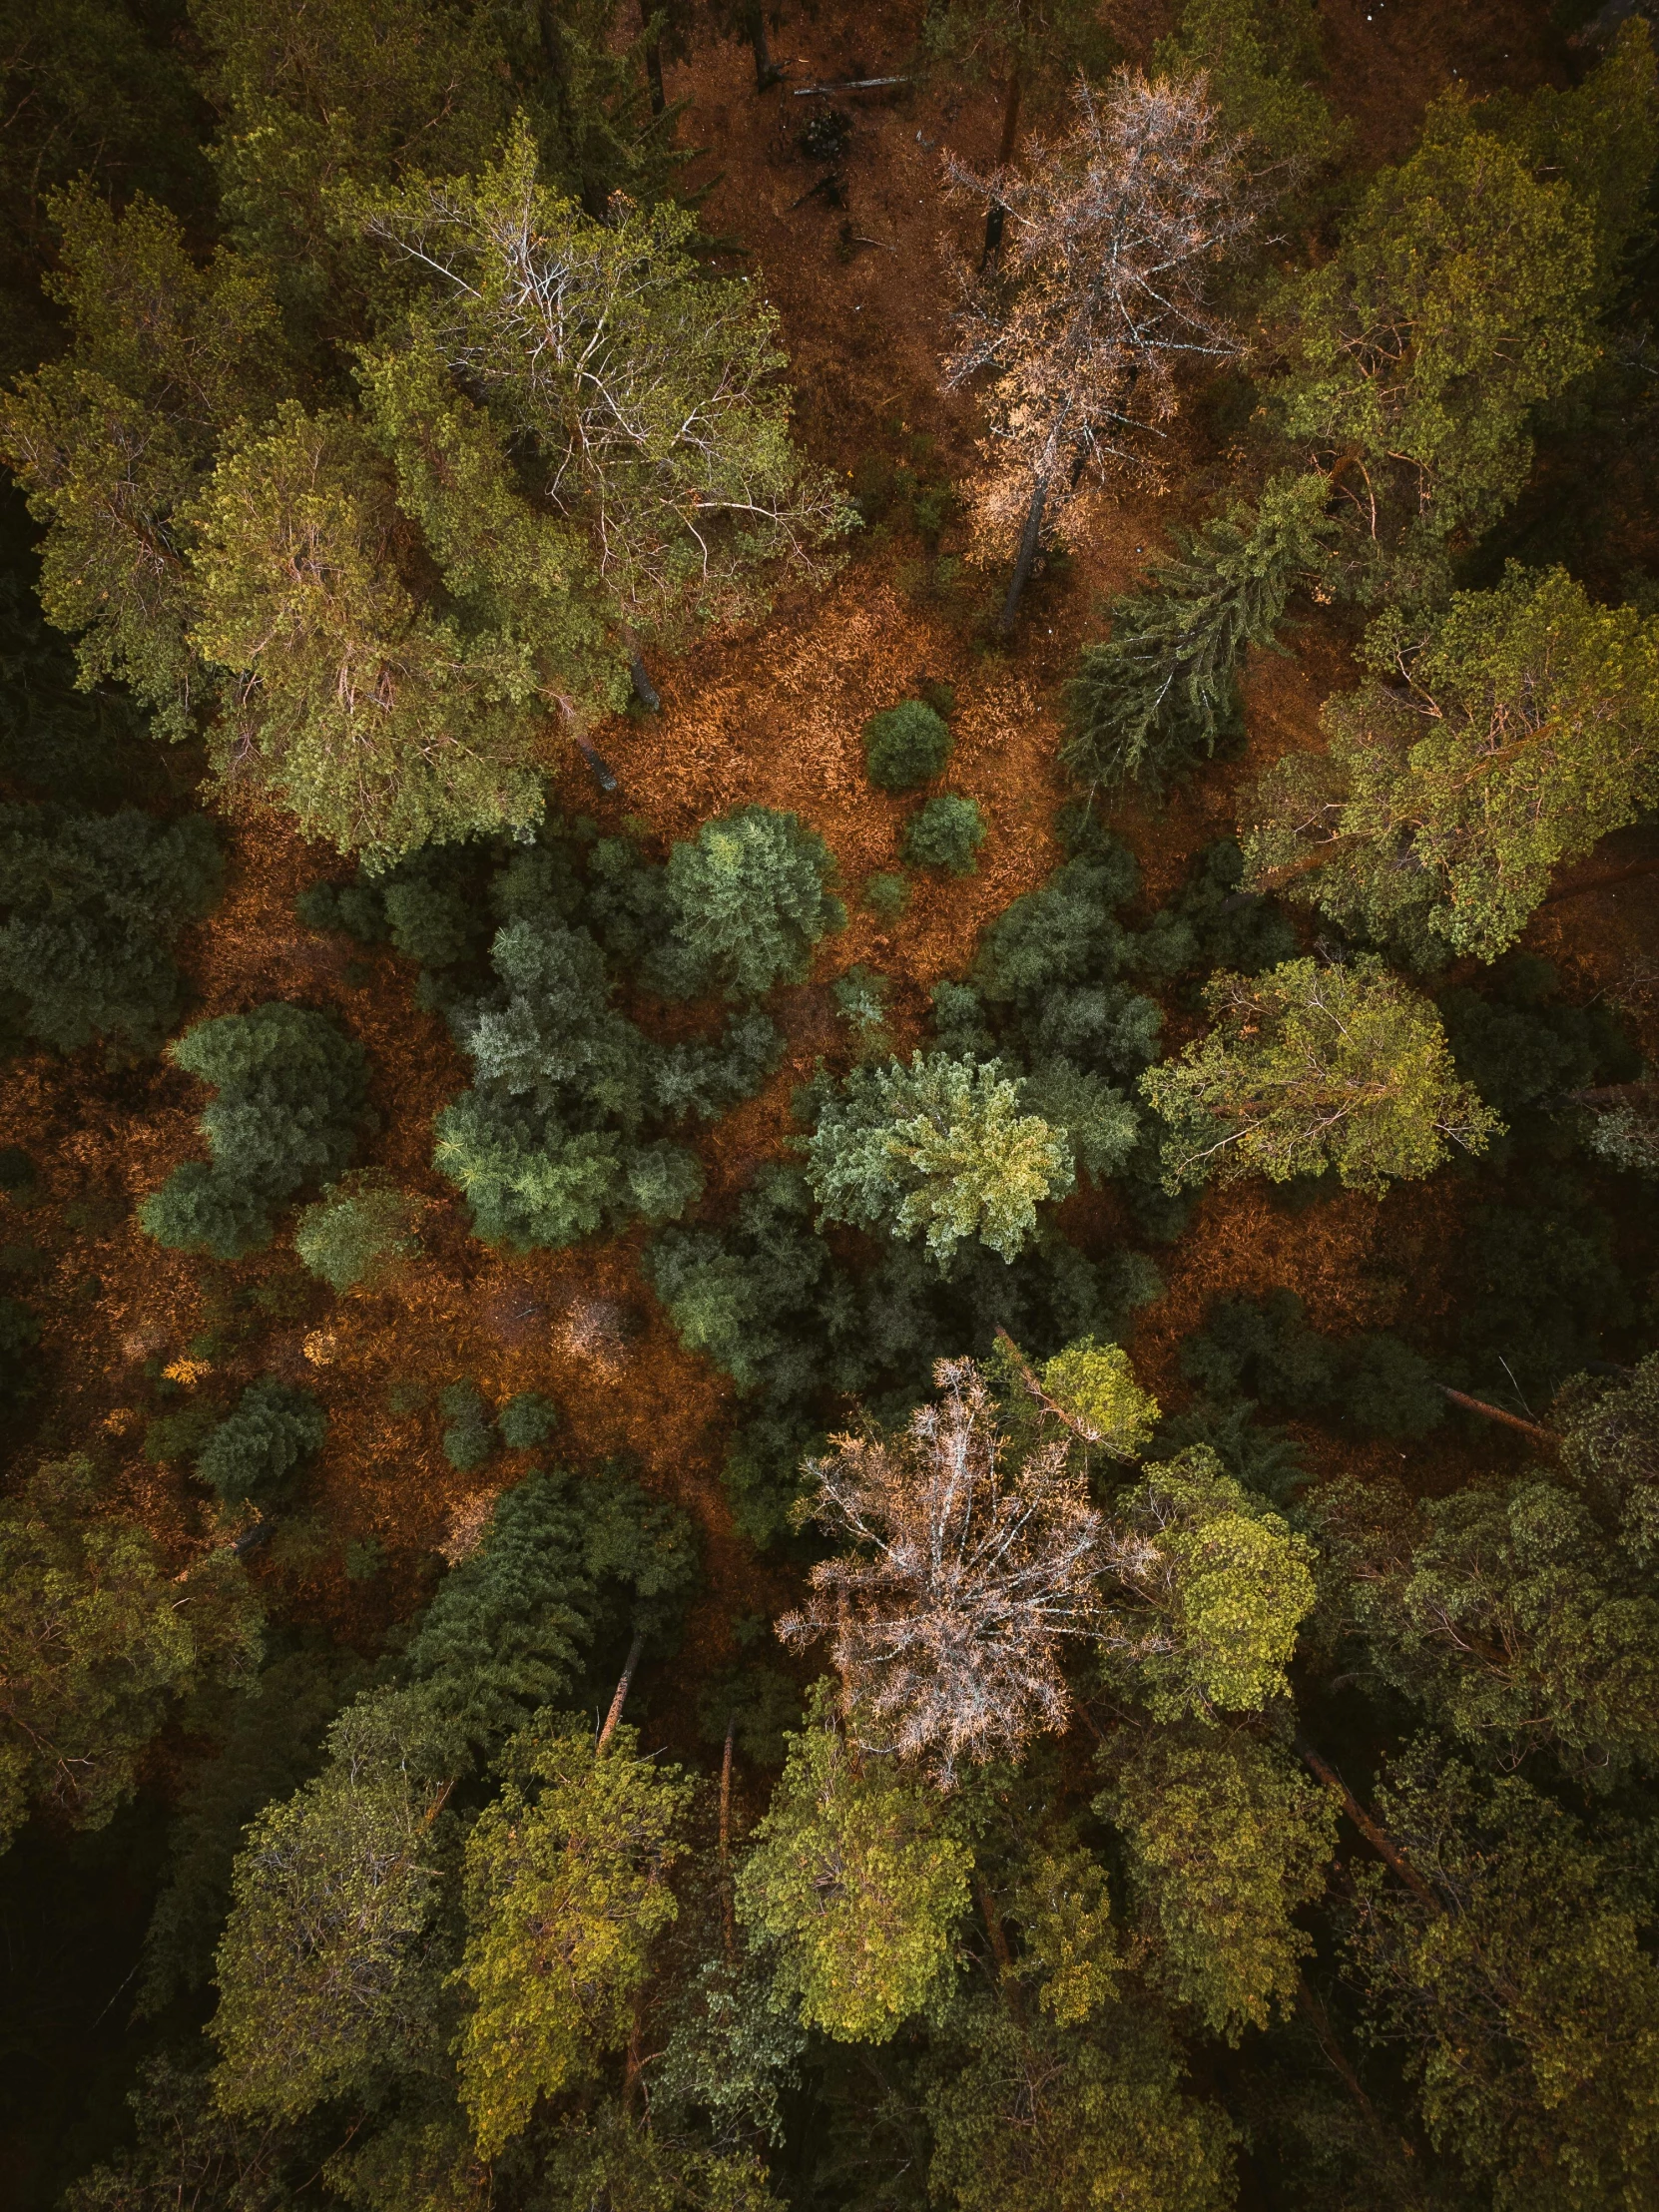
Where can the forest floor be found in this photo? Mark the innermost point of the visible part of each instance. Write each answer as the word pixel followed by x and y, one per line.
pixel 773 715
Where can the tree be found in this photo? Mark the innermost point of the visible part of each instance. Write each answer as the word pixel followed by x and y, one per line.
pixel 1522 728
pixel 946 833
pixel 957 1579
pixel 92 904
pixel 289 1106
pixel 1510 1975
pixel 906 745
pixel 359 1232
pixel 1161 688
pixel 99 1644
pixel 565 1892
pixel 1459 298
pixel 1610 1446
pixel 112 440
pixel 855 1877
pixel 749 902
pixel 256 1449
pixel 938 1148
pixel 1094 1386
pixel 648 392
pixel 1258 58
pixel 1227 1840
pixel 1098 297
pixel 1038 2120
pixel 188 2153
pixel 628 2166
pixel 1309 1068
pixel 321 1982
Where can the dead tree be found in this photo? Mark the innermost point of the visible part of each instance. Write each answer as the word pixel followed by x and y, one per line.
pixel 1098 294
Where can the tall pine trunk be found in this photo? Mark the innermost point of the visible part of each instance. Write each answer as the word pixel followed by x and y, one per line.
pixel 652 61
pixel 996 215
pixel 767 73
pixel 1027 553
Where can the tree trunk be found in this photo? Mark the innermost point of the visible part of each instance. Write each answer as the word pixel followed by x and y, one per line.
pixel 1643 1093
pixel 1383 1844
pixel 728 1923
pixel 652 61
pixel 767 74
pixel 1027 554
pixel 644 690
pixel 602 773
pixel 998 1934
pixel 622 1689
pixel 996 215
pixel 1545 1436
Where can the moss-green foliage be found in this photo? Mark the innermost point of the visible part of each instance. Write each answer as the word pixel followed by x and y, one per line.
pixel 469 1437
pixel 255 1451
pixel 1227 1840
pixel 887 896
pixel 855 1874
pixel 1161 693
pixel 1213 1608
pixel 287 1111
pixel 1540 1286
pixel 938 1149
pixel 526 1419
pixel 564 1896
pixel 1610 1446
pixel 184 2138
pixel 1260 56
pixel 1032 2119
pixel 1096 1386
pixel 91 907
pixel 947 833
pixel 747 899
pixel 99 1645
pixel 358 1231
pixel 1517 1992
pixel 1309 1068
pixel 1264 1349
pixel 1524 1048
pixel 1526 732
pixel 905 746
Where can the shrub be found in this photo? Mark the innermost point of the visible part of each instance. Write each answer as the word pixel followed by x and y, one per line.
pixel 289 1108
pixel 886 896
pixel 905 746
pixel 357 1230
pixel 526 1420
pixel 255 1449
pixel 470 1437
pixel 947 833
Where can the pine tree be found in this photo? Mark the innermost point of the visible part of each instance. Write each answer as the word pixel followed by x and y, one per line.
pixel 1161 688
pixel 1260 57
pixel 1309 1068
pixel 749 901
pixel 258 1446
pixel 1100 291
pixel 359 1232
pixel 287 1110
pixel 1525 729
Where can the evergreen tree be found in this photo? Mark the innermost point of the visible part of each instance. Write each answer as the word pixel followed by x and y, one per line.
pixel 857 1877
pixel 99 1644
pixel 359 1232
pixel 937 1149
pixel 748 902
pixel 92 904
pixel 1527 727
pixel 287 1110
pixel 565 1892
pixel 1161 688
pixel 1258 58
pixel 1311 1068
pixel 255 1449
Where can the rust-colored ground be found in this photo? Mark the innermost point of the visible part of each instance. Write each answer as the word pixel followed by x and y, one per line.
pixel 771 715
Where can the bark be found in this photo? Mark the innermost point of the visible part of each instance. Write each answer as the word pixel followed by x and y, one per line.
pixel 653 62
pixel 1027 554
pixel 996 215
pixel 644 690
pixel 767 73
pixel 1545 1436
pixel 729 1931
pixel 622 1689
pixel 1644 1093
pixel 602 773
pixel 1383 1844
pixel 999 1943
pixel 1601 882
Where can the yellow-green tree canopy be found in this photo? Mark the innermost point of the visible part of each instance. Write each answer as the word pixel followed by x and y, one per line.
pixel 857 1877
pixel 1526 726
pixel 1096 1386
pixel 565 1892
pixel 1312 1067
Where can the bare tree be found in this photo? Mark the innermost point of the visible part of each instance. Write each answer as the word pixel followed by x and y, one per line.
pixel 1099 292
pixel 963 1575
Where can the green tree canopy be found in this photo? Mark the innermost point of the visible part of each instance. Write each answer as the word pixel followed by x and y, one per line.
pixel 749 902
pixel 855 1875
pixel 939 1149
pixel 1527 728
pixel 565 1892
pixel 1260 57
pixel 99 1643
pixel 287 1111
pixel 1312 1067
pixel 359 1232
